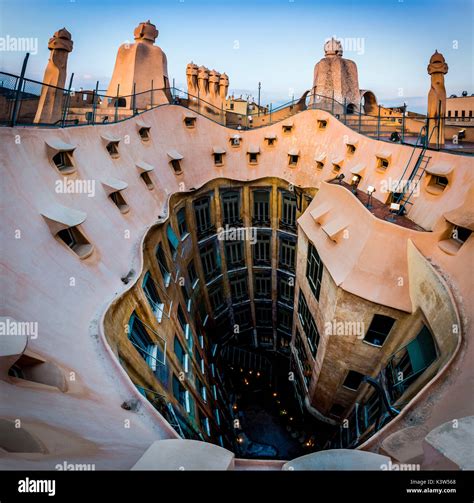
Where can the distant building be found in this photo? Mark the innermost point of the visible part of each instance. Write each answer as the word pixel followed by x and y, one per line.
pixel 460 108
pixel 243 107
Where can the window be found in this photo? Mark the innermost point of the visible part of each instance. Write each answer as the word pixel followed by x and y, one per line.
pixel 138 336
pixel 322 124
pixel 147 180
pixel 180 353
pixel 262 249
pixel 144 133
pixel 284 341
pixel 410 362
pixel 305 366
pixel 379 329
pixel 436 184
pixel 234 253
pixel 173 241
pixel 271 140
pixel 382 163
pixel 314 270
pixel 460 234
pixel 162 264
pixel 218 158
pixel 182 320
pixel 353 380
pixel 293 159
pixel 442 181
pixel 253 157
pixel 182 225
pixel 231 207
pixel 235 141
pixel 112 149
pixel 336 167
pixel 176 165
pixel 202 213
pixel 308 324
pixel 179 391
pixel 239 287
pixel 287 128
pixel 263 315
pixel 190 339
pixel 152 296
pixel 217 300
pixel 242 318
pixel 202 389
pixel 263 284
pixel 209 260
pixel 74 239
pixel 288 211
pixel 37 370
pixel 186 297
pixel 287 253
pixel 261 207
pixel 193 277
pixel 285 320
pixel 319 165
pixel 205 425
pixel 265 336
pixel 63 161
pixel 119 201
pixel 286 289
pixel 190 122
pixel 371 409
pixel 351 149
pixel 199 360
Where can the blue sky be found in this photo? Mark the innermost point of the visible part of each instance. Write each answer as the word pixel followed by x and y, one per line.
pixel 276 42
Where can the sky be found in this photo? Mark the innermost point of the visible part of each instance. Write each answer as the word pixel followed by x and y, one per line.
pixel 275 42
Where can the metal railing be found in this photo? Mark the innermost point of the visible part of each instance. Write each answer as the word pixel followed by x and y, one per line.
pixel 21 98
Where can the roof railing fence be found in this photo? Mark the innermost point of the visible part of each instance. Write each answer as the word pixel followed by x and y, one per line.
pixel 21 105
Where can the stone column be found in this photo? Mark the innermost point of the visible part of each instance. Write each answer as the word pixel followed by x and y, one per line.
pixel 192 79
pixel 437 68
pixel 214 78
pixel 51 99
